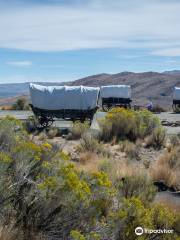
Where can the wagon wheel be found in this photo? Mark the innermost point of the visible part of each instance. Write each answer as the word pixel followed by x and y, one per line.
pixel 106 108
pixel 176 107
pixel 45 121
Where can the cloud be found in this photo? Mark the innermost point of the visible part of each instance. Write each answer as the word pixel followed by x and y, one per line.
pixel 171 61
pixel 170 52
pixel 129 57
pixel 91 25
pixel 20 63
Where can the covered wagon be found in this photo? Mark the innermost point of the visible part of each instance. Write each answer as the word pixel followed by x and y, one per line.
pixel 176 99
pixel 115 95
pixel 65 102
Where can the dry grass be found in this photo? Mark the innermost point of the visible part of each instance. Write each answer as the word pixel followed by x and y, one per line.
pixel 175 140
pixel 130 179
pixel 167 168
pixel 9 233
pixel 6 234
pixel 163 173
pixel 78 129
pixel 94 156
pixel 120 168
pixel 131 149
pixel 52 132
pixel 89 162
pixel 157 139
pixel 137 185
pixel 89 143
pixel 42 136
pixel 6 107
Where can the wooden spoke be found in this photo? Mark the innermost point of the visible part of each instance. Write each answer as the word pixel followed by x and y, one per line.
pixel 45 121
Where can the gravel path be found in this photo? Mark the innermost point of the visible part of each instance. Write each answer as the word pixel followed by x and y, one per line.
pixel 171 117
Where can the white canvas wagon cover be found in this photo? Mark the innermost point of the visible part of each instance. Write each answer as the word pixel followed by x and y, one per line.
pixel 116 91
pixel 63 97
pixel 176 95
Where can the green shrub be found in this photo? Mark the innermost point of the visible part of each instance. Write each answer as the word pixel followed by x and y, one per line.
pixel 41 191
pixel 146 122
pixel 133 213
pixel 89 143
pixel 76 235
pixel 136 186
pixel 78 129
pixel 21 104
pixel 42 136
pixel 11 130
pixel 106 166
pixel 157 138
pixel 52 132
pixel 131 149
pixel 167 168
pixel 122 124
pixel 175 140
pixel 31 124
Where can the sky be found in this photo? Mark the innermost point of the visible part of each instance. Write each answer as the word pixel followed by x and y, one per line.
pixel 63 40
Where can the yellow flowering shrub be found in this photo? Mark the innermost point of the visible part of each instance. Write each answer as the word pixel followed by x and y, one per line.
pixel 102 179
pixel 46 146
pixel 102 192
pixel 132 213
pixel 49 182
pixel 27 151
pixel 76 235
pixel 5 158
pixel 63 177
pixel 123 123
pixel 64 156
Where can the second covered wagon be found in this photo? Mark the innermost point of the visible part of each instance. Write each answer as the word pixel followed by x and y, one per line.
pixel 115 96
pixel 65 102
pixel 176 99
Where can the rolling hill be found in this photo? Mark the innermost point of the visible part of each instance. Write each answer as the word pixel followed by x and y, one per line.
pixel 147 85
pixel 154 86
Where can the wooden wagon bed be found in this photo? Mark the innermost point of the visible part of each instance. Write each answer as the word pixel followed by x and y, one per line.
pixel 108 103
pixel 46 117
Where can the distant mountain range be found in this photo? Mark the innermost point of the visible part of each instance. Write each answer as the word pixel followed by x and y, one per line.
pixel 154 86
pixel 175 72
